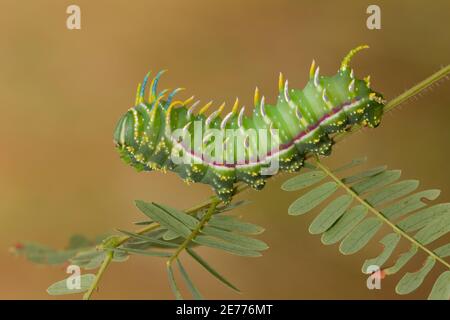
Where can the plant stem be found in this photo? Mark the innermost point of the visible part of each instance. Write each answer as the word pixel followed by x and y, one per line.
pixel 194 232
pixel 435 77
pixel 380 215
pixel 105 263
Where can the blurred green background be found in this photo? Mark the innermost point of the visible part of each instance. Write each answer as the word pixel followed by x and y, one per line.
pixel 62 91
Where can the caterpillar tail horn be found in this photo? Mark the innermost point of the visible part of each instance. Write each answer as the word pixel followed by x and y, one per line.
pixel 346 61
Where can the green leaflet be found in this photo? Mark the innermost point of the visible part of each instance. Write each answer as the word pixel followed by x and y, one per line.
pixel 84 256
pixel 234 224
pixel 186 219
pixel 364 174
pixel 360 236
pixel 78 241
pixel 192 288
pixel 173 284
pixel 377 181
pixel 205 265
pixel 88 260
pixel 148 239
pixel 120 256
pixel 55 257
pixel 65 286
pixel 312 199
pixel 41 254
pixel 392 192
pixel 225 246
pixel 142 223
pixel 156 234
pixel 389 243
pixel 92 259
pixel 44 255
pixel 237 239
pixel 411 281
pixel 423 217
pixel 170 235
pixel 434 230
pixel 332 212
pixel 166 220
pixel 343 226
pixel 354 163
pixel 402 260
pixel 144 252
pixel 303 180
pixel 410 203
pixel 443 251
pixel 441 288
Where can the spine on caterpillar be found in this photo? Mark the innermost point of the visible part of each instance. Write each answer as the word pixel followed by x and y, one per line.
pixel 162 133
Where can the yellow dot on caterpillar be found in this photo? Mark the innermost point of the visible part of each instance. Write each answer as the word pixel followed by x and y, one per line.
pixel 140 157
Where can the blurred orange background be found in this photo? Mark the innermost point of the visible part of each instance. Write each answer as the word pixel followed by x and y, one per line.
pixel 62 91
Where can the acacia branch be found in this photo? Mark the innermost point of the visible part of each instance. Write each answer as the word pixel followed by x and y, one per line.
pixel 379 215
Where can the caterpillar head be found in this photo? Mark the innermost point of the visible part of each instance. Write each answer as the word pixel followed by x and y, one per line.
pixel 124 131
pixel 124 140
pixel 375 105
pixel 374 111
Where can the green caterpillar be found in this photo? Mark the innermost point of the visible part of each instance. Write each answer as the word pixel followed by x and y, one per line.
pixel 157 133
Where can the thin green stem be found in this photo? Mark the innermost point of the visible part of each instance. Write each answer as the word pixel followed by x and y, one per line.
pixel 98 276
pixel 435 77
pixel 194 232
pixel 380 215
